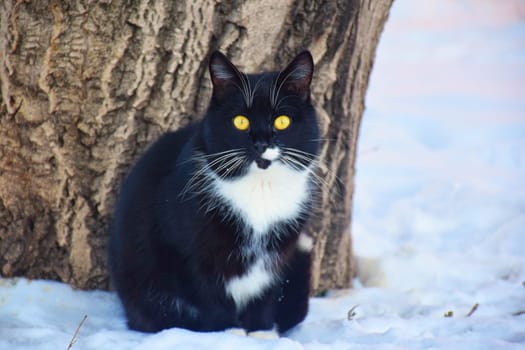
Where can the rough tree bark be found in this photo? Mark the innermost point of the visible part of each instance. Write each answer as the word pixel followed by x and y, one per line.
pixel 87 85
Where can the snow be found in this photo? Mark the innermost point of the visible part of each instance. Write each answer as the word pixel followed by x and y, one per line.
pixel 439 207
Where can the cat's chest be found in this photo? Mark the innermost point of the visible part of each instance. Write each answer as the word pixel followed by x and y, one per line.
pixel 262 198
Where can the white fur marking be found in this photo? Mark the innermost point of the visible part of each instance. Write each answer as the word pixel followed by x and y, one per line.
pixel 271 153
pixel 251 284
pixel 237 331
pixel 271 334
pixel 264 197
pixel 305 243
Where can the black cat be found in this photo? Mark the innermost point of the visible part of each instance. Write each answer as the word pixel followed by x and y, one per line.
pixel 207 228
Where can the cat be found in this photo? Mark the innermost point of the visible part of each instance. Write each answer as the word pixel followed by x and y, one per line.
pixel 207 228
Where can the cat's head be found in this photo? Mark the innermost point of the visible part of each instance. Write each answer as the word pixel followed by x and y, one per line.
pixel 257 120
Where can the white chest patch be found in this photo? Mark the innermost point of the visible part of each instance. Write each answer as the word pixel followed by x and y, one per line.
pixel 264 197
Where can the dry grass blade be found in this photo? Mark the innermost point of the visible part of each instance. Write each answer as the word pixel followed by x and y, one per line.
pixel 74 338
pixel 473 309
pixel 351 313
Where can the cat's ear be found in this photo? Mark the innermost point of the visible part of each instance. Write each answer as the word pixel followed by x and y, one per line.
pixel 297 76
pixel 224 75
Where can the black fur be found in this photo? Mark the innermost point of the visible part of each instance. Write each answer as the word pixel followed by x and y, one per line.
pixel 175 244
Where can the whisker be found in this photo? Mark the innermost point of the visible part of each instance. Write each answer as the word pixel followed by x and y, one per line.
pixel 247 87
pixel 313 155
pixel 223 152
pixel 199 178
pixel 292 164
pixel 238 164
pixel 207 166
pixel 201 155
pixel 282 82
pixel 254 90
pixel 309 156
pixel 323 139
pixel 281 101
pixel 296 164
pixel 241 89
pixel 320 184
pixel 228 165
pixel 296 152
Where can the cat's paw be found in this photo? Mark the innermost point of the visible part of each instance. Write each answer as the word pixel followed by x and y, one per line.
pixel 264 334
pixel 236 331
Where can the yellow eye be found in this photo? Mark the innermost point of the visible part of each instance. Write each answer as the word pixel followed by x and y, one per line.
pixel 241 122
pixel 281 122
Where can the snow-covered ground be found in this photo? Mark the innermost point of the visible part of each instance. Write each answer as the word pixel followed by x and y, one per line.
pixel 439 212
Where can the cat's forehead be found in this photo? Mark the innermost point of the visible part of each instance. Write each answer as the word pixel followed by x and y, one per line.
pixel 262 90
pixel 262 83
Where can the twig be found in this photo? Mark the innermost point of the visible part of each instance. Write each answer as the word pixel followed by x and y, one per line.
pixel 474 308
pixel 74 339
pixel 15 111
pixel 351 313
pixel 519 313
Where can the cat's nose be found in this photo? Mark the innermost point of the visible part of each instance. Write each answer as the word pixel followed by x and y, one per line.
pixel 260 146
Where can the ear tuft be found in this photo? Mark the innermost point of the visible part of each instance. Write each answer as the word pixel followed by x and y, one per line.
pixel 297 76
pixel 223 73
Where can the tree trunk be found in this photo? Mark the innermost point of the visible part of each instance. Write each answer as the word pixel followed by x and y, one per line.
pixel 87 85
